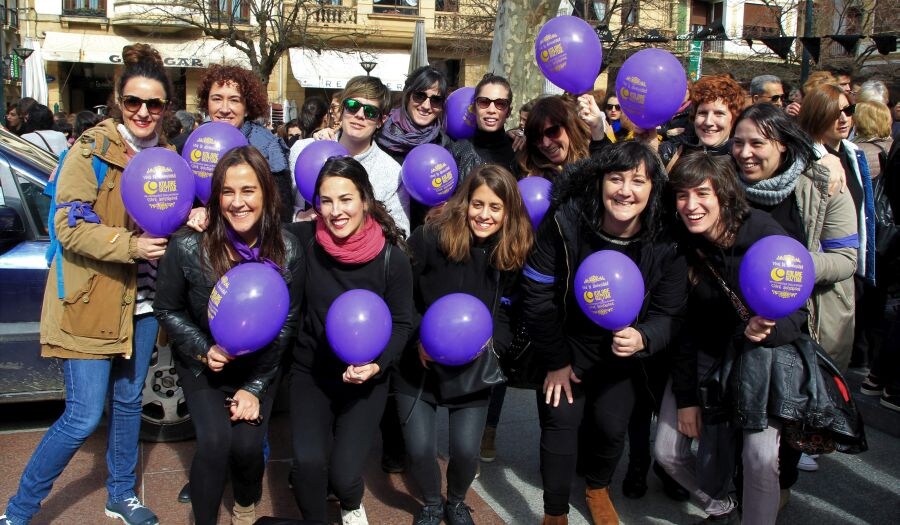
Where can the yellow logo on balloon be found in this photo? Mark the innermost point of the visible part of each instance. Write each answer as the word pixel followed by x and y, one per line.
pixel 545 55
pixel 150 188
pixel 777 274
pixel 436 182
pixel 624 92
pixel 589 297
pixel 196 154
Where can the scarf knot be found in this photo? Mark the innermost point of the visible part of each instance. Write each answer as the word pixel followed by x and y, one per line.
pixel 360 247
pixel 773 190
pixel 247 253
pixel 400 134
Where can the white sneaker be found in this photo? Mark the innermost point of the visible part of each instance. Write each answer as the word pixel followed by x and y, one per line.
pixel 354 517
pixel 808 463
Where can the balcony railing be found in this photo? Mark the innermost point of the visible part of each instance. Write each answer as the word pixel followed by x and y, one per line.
pixel 93 8
pixel 464 24
pixel 334 15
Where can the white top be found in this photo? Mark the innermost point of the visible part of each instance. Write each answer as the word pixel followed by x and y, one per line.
pixel 55 139
pixel 384 174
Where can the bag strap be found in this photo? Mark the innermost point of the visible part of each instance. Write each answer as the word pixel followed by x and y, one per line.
pixel 387 259
pixel 739 307
pixel 674 159
pixel 49 148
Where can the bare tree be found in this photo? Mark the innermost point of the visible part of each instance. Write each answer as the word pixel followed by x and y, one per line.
pixel 264 30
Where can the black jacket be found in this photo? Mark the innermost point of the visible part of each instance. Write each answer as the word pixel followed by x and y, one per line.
pixel 434 276
pixel 712 324
pixel 326 279
pixel 560 332
pixel 689 144
pixel 484 148
pixel 183 287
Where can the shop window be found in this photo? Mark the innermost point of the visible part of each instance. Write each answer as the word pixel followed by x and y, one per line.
pixel 84 8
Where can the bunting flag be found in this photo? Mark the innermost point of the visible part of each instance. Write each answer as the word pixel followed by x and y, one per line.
pixel 884 43
pixel 781 45
pixel 812 45
pixel 848 42
pixel 653 35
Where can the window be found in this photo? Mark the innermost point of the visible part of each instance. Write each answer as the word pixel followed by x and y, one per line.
pixel 630 12
pixel 83 7
pixel 397 7
pixel 761 20
pixel 228 10
pixel 590 10
pixel 35 202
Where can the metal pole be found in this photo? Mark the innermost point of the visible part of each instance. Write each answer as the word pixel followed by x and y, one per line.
pixel 807 31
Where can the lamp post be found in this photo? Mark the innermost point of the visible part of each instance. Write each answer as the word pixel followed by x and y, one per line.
pixel 23 53
pixel 368 65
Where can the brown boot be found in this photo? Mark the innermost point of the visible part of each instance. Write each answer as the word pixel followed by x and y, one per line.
pixel 601 507
pixel 555 520
pixel 241 515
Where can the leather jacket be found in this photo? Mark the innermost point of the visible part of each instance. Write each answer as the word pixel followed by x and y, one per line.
pixel 182 295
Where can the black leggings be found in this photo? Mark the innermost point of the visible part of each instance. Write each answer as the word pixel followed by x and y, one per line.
pixel 609 404
pixel 419 432
pixel 222 446
pixel 332 425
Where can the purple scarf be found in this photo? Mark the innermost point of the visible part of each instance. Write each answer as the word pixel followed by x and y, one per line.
pixel 400 134
pixel 247 253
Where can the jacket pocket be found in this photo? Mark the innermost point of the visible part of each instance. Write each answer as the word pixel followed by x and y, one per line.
pixel 95 310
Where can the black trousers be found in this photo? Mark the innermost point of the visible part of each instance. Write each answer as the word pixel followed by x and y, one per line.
pixel 223 446
pixel 333 424
pixel 609 403
pixel 419 432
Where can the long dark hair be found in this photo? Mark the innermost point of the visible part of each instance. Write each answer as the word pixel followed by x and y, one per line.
pixel 350 169
pixel 270 241
pixel 775 125
pixel 694 169
pixel 421 80
pixel 452 220
pixel 556 110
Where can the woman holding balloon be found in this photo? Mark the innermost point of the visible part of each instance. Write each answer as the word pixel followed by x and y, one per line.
pixel 609 205
pixel 720 228
pixel 475 244
pixel 229 388
pixel 97 320
pixel 353 244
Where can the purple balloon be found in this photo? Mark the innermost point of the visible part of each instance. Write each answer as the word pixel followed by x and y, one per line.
pixel 429 174
pixel 569 53
pixel 310 162
pixel 247 308
pixel 203 149
pixel 536 195
pixel 609 289
pixel 358 326
pixel 158 190
pixel 777 276
pixel 460 113
pixel 650 87
pixel 455 329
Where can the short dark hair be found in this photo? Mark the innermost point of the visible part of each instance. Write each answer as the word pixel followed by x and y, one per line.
pixel 312 113
pixel 421 80
pixel 695 168
pixel 85 120
pixel 39 117
pixel 775 125
pixel 491 78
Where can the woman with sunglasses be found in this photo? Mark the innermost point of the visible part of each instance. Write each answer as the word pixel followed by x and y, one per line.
pixel 352 243
pixel 561 131
pixel 491 144
pixel 99 320
pixel 229 398
pixel 621 127
pixel 611 202
pixel 235 95
pixel 716 102
pixel 364 102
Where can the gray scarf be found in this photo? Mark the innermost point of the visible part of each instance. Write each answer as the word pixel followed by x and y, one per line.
pixel 771 191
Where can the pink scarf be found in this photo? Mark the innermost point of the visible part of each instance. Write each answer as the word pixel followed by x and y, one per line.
pixel 361 247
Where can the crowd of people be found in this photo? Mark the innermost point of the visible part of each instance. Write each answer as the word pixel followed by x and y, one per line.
pixel 684 202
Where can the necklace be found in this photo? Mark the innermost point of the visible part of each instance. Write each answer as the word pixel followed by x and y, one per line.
pixel 616 240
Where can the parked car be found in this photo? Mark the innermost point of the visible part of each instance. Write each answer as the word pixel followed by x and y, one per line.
pixel 24 374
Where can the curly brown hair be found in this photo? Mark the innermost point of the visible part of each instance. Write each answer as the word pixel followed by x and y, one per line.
pixel 712 88
pixel 255 98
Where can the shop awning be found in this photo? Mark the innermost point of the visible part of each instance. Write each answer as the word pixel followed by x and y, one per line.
pixel 107 49
pixel 332 69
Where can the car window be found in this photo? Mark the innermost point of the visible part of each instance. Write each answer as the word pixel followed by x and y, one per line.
pixel 36 204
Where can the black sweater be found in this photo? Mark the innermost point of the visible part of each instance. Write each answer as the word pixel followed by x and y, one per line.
pixel 712 323
pixel 326 279
pixel 435 276
pixel 494 147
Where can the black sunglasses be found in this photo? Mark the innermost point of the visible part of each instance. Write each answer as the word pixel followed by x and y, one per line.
pixel 419 97
pixel 849 110
pixel 229 402
pixel 775 99
pixel 613 106
pixel 552 133
pixel 371 112
pixel 502 104
pixel 154 105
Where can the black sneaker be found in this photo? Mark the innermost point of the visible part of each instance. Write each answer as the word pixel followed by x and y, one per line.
pixel 458 514
pixel 671 487
pixel 730 518
pixel 634 486
pixel 430 515
pixel 890 401
pixel 871 387
pixel 132 512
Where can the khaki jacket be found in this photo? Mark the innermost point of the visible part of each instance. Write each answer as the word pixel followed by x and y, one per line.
pixel 830 226
pixel 94 320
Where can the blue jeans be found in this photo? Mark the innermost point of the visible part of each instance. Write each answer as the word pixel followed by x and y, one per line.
pixel 89 383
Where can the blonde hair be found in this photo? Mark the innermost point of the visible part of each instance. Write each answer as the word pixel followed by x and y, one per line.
pixel 872 120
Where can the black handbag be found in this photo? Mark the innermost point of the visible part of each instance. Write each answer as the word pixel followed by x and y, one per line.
pixel 518 361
